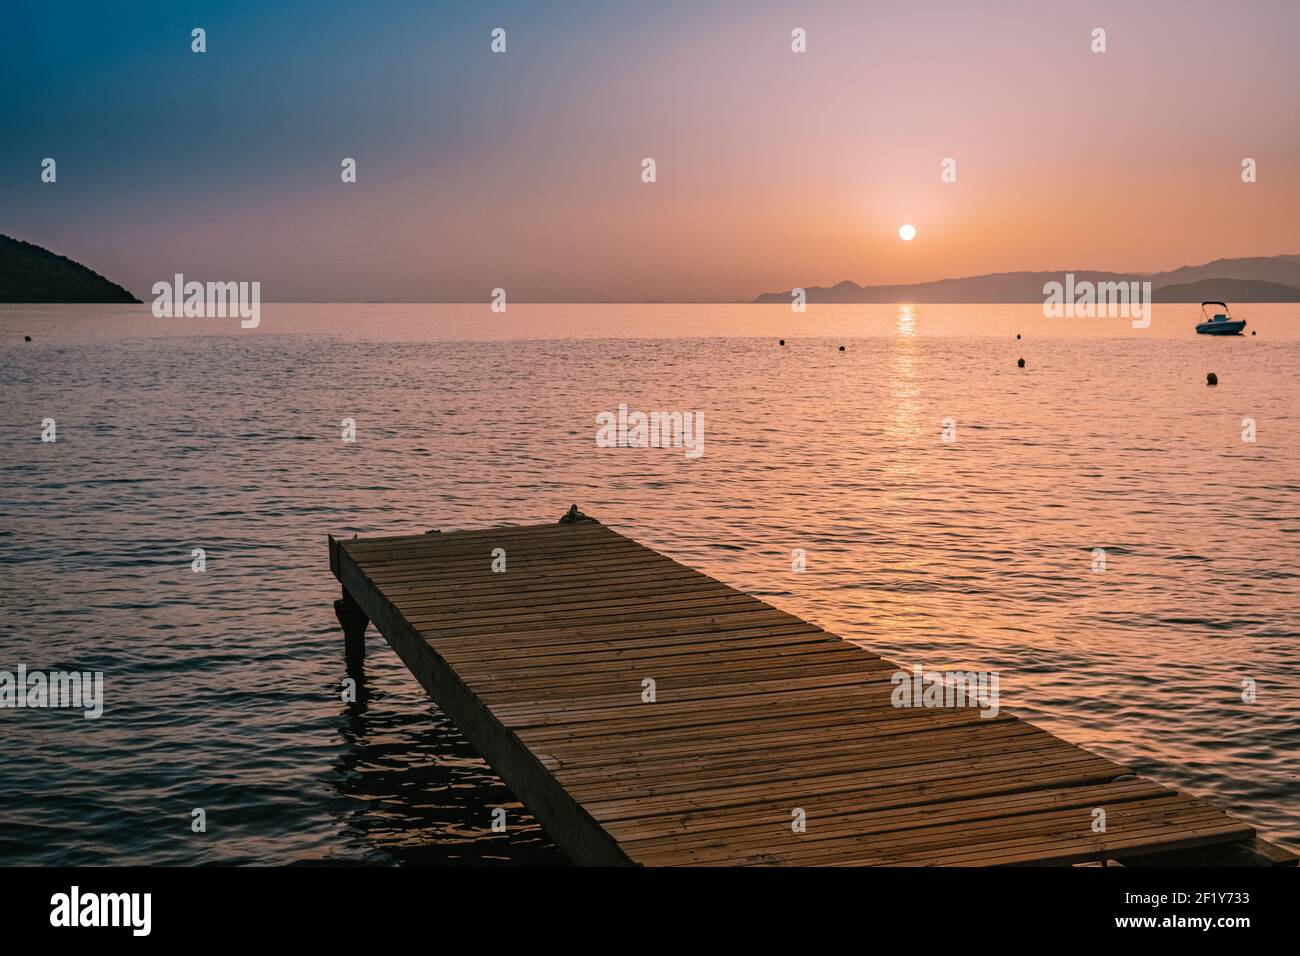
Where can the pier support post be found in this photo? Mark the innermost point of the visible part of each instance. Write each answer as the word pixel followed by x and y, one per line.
pixel 354 622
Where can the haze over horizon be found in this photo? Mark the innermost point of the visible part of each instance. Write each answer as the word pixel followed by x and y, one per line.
pixel 522 170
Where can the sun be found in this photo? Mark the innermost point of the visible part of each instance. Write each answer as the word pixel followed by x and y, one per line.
pixel 907 232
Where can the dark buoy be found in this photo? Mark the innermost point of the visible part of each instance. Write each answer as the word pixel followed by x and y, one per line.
pixel 1211 379
pixel 841 348
pixel 28 338
pixel 1017 336
pixel 1252 331
pixel 1020 363
pixel 783 341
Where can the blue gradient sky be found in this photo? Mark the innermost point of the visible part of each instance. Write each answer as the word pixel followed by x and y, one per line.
pixel 522 170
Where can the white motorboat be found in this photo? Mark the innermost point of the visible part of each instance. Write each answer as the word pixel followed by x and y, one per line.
pixel 1219 323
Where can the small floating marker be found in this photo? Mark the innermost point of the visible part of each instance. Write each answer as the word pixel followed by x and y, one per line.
pixel 841 348
pixel 1211 379
pixel 28 338
pixel 1017 336
pixel 783 341
pixel 1252 331
pixel 1020 363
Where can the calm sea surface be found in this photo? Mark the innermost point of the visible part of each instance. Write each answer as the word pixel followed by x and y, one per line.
pixel 223 688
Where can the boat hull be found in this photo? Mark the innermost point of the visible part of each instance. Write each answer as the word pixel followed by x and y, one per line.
pixel 1221 328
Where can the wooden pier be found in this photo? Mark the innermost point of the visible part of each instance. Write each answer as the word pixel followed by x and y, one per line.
pixel 646 713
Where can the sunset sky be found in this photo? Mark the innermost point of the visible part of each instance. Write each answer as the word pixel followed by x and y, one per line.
pixel 523 170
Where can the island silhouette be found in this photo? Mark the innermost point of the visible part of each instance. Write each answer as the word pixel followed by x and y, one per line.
pixel 29 273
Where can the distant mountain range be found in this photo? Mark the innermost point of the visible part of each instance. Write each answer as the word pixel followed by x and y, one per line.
pixel 1227 290
pixel 29 273
pixel 1253 279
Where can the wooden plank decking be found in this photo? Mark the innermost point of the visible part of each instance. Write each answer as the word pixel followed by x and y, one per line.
pixel 757 713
